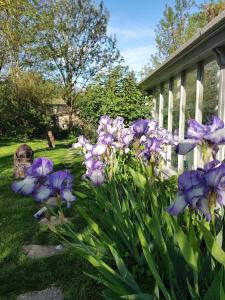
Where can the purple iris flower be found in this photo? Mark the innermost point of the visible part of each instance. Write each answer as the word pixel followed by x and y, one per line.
pixel 41 166
pixel 140 127
pixel 211 134
pixel 99 149
pixel 191 192
pixel 82 141
pixel 152 146
pixel 118 122
pixel 143 136
pixel 152 126
pixel 36 182
pixel 60 180
pixel 202 189
pixel 41 184
pixel 126 136
pixel 104 120
pixel 106 139
pixel 95 171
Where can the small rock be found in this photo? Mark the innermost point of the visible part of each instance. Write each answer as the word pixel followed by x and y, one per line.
pixel 52 293
pixel 59 247
pixel 38 251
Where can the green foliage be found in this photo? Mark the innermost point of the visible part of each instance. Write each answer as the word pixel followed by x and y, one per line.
pixel 18 273
pixel 140 250
pixel 178 25
pixel 24 99
pixel 172 29
pixel 65 40
pixel 113 94
pixel 71 43
pixel 16 32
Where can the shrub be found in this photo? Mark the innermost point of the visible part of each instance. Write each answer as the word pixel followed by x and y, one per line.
pixel 24 101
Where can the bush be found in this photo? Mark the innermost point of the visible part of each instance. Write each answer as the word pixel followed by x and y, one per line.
pixel 113 94
pixel 24 99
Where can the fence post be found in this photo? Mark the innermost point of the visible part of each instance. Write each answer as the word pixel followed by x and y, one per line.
pixel 170 118
pixel 182 118
pixel 198 107
pixel 161 103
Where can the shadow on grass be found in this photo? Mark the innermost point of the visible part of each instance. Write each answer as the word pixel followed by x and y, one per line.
pixel 6 162
pixel 57 147
pixel 42 273
pixel 18 274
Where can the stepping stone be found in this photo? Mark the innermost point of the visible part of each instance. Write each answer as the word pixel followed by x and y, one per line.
pixel 52 293
pixel 38 251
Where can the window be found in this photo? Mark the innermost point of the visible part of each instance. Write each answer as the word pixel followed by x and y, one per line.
pixel 210 91
pixel 165 104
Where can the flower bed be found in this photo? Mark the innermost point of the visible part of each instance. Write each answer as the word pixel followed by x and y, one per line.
pixel 144 244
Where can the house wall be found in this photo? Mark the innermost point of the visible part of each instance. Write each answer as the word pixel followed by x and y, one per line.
pixel 191 84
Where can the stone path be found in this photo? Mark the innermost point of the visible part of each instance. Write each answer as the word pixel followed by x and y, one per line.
pixel 38 251
pixel 52 293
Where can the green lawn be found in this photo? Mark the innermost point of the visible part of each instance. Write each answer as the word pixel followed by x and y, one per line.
pixel 19 274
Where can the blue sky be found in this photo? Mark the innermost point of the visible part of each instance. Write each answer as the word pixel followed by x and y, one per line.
pixel 133 22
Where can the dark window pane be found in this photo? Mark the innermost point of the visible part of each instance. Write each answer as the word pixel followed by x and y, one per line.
pixel 156 95
pixel 165 104
pixel 210 91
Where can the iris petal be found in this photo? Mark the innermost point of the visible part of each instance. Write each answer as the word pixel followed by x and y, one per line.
pixel 213 177
pixel 177 206
pixel 189 179
pixel 216 123
pixel 186 146
pixel 60 179
pixel 67 195
pixel 97 177
pixel 204 208
pixel 127 139
pixel 140 126
pixel 99 149
pixel 195 193
pixel 41 166
pixel 42 193
pixel 216 137
pixel 76 145
pixel 221 197
pixel 25 186
pixel 196 130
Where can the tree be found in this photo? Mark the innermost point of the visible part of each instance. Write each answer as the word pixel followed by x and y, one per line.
pixel 16 32
pixel 72 43
pixel 24 104
pixel 178 25
pixel 114 94
pixel 207 12
pixel 171 31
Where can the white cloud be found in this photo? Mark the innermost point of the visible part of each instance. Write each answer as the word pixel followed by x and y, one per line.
pixel 134 32
pixel 137 57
